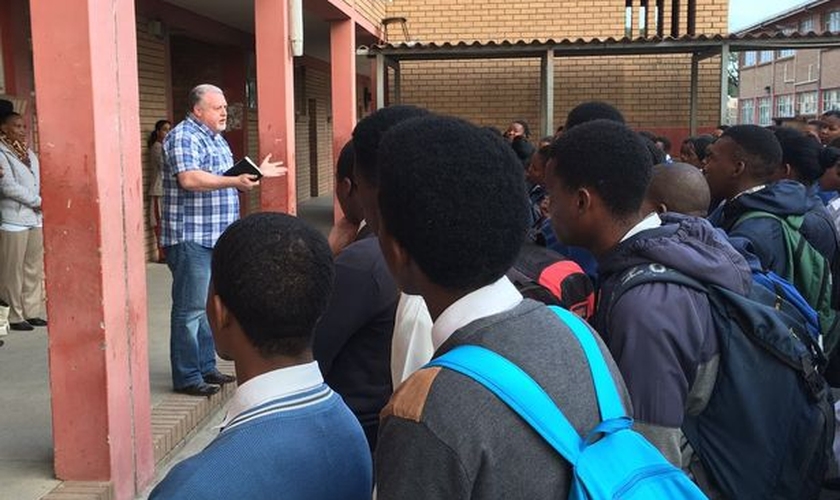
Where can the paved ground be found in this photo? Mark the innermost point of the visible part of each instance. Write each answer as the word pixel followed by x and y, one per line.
pixel 26 425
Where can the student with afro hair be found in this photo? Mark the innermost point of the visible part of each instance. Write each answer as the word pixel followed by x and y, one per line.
pixel 411 343
pixel 286 433
pixel 660 334
pixel 453 219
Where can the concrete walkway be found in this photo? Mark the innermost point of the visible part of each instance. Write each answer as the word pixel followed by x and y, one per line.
pixel 26 449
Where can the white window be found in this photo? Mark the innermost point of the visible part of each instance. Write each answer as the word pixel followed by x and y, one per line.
pixel 832 21
pixel 806 25
pixel 830 100
pixel 749 58
pixel 787 53
pixel 765 56
pixel 764 111
pixel 784 106
pixel 806 102
pixel 747 111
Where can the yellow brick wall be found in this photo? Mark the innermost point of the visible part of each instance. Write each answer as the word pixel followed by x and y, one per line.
pixel 372 10
pixel 652 91
pixel 153 107
pixel 317 86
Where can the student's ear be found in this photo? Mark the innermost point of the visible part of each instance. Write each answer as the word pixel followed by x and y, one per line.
pixel 218 313
pixel 661 208
pixel 583 200
pixel 740 168
pixel 402 266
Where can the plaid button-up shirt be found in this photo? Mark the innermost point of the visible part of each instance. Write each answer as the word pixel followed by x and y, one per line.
pixel 196 216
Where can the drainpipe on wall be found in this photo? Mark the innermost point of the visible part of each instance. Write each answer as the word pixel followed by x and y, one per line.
pixel 296 28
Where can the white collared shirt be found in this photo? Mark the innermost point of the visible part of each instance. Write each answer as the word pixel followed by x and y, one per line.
pixel 273 385
pixel 492 299
pixel 652 221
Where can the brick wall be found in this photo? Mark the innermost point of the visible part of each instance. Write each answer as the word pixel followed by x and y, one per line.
pixel 372 10
pixel 652 91
pixel 154 106
pixel 485 20
pixel 315 85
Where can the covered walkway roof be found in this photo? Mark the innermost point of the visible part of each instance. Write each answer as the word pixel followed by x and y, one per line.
pixel 699 46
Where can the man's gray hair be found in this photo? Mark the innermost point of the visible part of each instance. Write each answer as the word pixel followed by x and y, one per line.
pixel 197 93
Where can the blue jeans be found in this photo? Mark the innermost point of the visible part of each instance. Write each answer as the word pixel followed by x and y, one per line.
pixel 191 349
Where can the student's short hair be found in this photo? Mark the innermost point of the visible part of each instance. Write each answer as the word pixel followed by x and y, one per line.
pixel 802 152
pixel 700 144
pixel 593 110
pixel 722 128
pixel 346 161
pixel 656 154
pixel 666 143
pixel 274 273
pixel 607 157
pixel 526 130
pixel 368 133
pixel 829 157
pixel 758 149
pixel 835 113
pixel 453 196
pixel 680 187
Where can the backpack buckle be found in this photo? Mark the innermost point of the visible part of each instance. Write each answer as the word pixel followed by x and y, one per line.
pixel 813 379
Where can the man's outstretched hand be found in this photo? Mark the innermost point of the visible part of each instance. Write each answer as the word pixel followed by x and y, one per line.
pixel 272 168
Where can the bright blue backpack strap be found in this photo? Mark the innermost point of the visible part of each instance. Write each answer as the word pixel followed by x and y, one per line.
pixel 608 399
pixel 519 391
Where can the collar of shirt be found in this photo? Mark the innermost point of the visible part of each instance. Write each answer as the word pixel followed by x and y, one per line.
pixel 751 190
pixel 273 385
pixel 204 128
pixel 361 226
pixel 652 221
pixel 492 299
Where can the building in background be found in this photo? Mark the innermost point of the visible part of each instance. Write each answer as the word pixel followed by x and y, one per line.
pixel 651 90
pixel 787 84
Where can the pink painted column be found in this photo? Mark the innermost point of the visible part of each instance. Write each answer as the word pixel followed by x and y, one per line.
pixel 275 102
pixel 85 60
pixel 343 77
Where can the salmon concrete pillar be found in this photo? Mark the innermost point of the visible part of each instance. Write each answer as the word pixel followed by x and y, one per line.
pixel 275 101
pixel 343 85
pixel 85 62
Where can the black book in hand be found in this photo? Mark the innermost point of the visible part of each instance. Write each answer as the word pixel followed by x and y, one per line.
pixel 244 166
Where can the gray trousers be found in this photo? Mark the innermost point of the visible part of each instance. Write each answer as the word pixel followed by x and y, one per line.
pixel 22 273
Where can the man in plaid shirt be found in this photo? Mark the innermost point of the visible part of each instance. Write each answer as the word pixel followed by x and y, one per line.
pixel 199 203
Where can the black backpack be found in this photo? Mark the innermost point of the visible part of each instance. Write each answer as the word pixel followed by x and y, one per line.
pixel 767 429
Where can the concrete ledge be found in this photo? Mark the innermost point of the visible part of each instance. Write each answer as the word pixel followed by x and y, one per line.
pixel 79 490
pixel 174 421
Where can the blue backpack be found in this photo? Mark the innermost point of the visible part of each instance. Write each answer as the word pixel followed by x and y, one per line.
pixel 767 429
pixel 612 461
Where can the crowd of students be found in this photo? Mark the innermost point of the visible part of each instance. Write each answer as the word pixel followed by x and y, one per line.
pixel 428 265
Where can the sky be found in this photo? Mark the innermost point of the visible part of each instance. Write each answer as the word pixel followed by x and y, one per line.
pixel 743 13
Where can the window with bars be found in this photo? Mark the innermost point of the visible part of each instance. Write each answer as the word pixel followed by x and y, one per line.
pixel 765 56
pixel 806 25
pixel 764 111
pixel 784 106
pixel 749 58
pixel 830 100
pixel 786 53
pixel 806 102
pixel 747 111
